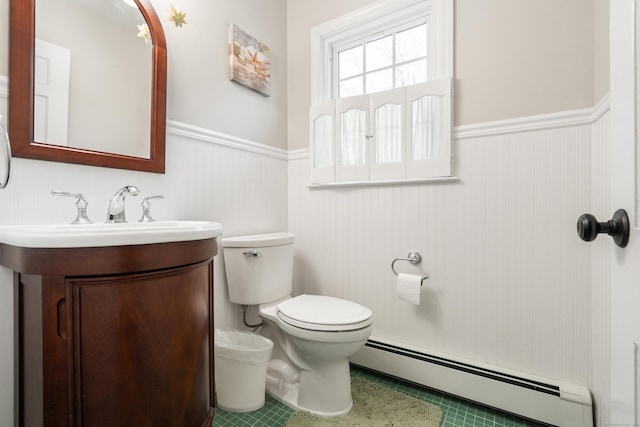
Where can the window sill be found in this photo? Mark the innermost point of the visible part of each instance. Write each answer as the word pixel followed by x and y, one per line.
pixel 383 182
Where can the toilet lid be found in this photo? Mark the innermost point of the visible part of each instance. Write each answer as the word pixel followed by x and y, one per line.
pixel 322 313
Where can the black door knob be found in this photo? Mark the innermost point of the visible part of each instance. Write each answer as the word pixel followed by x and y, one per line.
pixel 617 227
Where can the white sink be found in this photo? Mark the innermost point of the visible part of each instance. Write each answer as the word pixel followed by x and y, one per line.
pixel 93 235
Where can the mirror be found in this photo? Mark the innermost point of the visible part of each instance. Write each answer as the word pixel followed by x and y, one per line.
pixel 82 130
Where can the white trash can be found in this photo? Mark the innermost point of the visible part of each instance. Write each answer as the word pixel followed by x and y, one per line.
pixel 241 360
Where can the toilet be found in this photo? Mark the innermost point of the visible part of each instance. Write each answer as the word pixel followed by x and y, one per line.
pixel 313 335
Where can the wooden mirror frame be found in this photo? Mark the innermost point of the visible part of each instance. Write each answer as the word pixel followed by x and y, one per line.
pixel 21 97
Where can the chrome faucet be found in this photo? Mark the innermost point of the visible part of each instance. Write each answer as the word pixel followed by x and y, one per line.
pixel 116 204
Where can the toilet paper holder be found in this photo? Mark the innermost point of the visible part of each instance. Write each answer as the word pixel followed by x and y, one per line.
pixel 413 257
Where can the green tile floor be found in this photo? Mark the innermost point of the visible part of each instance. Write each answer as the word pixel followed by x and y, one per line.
pixel 455 412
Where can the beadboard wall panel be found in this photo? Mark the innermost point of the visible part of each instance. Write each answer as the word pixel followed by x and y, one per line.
pixel 509 279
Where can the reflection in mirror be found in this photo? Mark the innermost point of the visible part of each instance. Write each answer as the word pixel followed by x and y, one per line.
pixel 93 91
pixel 71 119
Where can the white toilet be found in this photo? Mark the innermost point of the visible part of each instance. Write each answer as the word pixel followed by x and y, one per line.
pixel 313 336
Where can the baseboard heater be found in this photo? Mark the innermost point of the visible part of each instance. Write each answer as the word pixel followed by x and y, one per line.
pixel 540 399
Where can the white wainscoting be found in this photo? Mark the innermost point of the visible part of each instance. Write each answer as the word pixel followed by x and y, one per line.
pixel 510 282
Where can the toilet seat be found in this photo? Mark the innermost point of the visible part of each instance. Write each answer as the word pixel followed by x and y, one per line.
pixel 323 313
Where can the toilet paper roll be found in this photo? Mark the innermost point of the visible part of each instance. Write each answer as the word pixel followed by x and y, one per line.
pixel 408 287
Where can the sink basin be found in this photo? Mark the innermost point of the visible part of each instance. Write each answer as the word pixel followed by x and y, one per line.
pixel 95 235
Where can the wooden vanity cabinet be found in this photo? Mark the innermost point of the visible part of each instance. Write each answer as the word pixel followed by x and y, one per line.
pixel 114 336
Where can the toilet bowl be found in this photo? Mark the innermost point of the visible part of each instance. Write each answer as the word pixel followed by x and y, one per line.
pixel 313 335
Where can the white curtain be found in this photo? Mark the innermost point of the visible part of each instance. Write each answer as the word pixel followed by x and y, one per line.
pixel 323 141
pixel 353 131
pixel 388 133
pixel 426 128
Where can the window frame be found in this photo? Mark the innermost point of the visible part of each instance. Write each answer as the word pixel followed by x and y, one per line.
pixel 382 14
pixel 366 24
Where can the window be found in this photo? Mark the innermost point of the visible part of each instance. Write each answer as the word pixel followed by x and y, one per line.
pixel 381 93
pixel 394 60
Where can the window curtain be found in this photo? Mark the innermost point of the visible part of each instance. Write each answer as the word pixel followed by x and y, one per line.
pixel 388 134
pixel 353 131
pixel 323 141
pixel 426 128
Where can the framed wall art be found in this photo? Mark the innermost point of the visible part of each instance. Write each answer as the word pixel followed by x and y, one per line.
pixel 249 61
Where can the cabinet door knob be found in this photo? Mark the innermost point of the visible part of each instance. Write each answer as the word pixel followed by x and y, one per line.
pixel 617 227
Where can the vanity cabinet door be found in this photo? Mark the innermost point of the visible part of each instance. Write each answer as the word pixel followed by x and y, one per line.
pixel 142 348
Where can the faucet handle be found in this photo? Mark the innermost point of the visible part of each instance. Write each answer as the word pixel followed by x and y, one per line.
pixel 146 206
pixel 81 204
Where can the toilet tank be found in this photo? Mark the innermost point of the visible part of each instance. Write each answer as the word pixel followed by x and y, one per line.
pixel 259 268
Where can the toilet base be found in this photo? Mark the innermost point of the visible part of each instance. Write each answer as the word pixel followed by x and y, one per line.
pixel 326 391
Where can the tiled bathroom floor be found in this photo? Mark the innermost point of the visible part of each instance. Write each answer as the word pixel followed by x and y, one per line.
pixel 455 412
